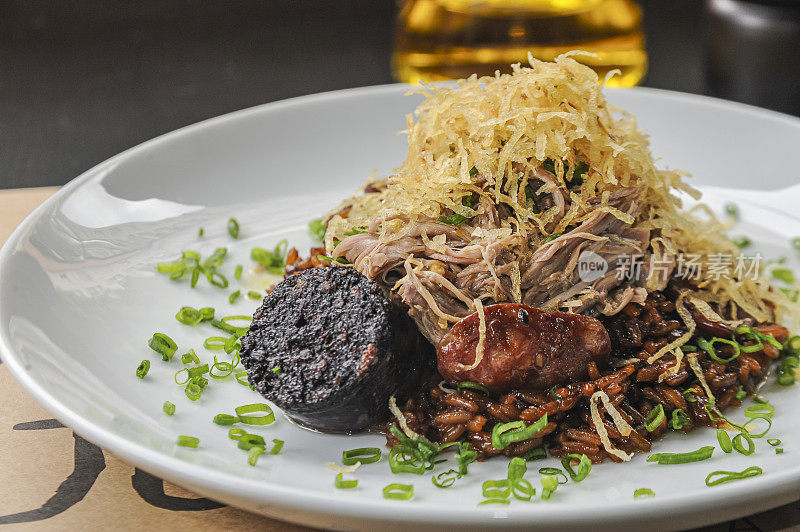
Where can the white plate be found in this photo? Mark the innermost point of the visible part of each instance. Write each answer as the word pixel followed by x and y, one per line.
pixel 79 300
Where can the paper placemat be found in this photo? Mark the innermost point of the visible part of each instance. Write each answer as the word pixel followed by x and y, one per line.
pixel 54 479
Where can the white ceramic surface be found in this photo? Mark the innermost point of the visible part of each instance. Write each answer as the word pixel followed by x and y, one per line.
pixel 79 299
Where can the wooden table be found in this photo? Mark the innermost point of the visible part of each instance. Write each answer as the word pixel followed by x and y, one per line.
pixel 54 479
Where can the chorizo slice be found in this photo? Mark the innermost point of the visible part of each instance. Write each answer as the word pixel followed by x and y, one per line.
pixel 524 347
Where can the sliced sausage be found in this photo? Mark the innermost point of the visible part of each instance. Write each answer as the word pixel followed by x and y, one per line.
pixel 330 348
pixel 524 348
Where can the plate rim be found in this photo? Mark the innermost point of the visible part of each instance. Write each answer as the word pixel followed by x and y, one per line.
pixel 196 476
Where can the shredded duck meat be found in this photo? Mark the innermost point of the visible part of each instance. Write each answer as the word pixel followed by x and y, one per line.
pixel 508 180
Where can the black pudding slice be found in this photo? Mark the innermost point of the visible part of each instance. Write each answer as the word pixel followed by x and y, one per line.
pixel 329 348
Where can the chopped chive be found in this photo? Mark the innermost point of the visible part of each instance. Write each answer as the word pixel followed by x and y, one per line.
pixel 225 419
pixel 466 455
pixel 584 466
pixel 343 484
pixel 340 260
pixel 252 294
pixel 778 450
pixel 234 296
pixel 190 357
pixel 168 408
pixel 163 345
pixel 740 448
pixel 316 228
pixel 792 345
pixel 237 273
pixel 223 368
pixel 724 441
pixel 445 480
pixel 169 267
pixel 704 453
pixel 708 347
pixel 522 489
pixel 553 393
pixel 207 313
pixel 761 434
pixel 235 434
pixel 397 491
pixel 728 476
pixel 266 419
pixel 188 441
pixel 191 373
pixel 221 325
pixel 796 243
pixel 517 468
pixel 193 391
pixel 273 261
pixel 276 447
pixel 404 458
pixel 200 232
pixel 247 319
pixel 232 344
pixel 774 442
pixel 654 418
pixel 504 434
pixel 454 219
pixel 467 385
pixel 643 492
pixel 782 274
pixel 757 410
pixel 189 316
pixel 554 472
pixel 233 228
pixel 535 454
pixel 732 210
pixel 215 260
pixel 791 294
pixel 549 486
pixel 497 489
pixel 143 368
pixel 215 343
pixel 253 454
pixel 248 441
pixel 365 455
pixel 787 375
pixel 741 242
pixel 680 419
pixel 217 279
pixel 552 237
pixel 770 339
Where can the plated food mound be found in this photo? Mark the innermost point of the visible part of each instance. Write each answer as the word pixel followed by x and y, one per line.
pixel 533 241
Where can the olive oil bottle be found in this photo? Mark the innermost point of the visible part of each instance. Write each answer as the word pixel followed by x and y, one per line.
pixel 446 39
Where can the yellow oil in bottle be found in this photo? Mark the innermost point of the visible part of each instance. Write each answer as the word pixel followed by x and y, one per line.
pixel 447 39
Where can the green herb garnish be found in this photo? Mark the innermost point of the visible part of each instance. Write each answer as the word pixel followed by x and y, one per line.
pixel 316 228
pixel 704 453
pixel 233 228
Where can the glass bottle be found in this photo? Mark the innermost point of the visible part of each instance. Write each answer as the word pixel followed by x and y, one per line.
pixel 446 39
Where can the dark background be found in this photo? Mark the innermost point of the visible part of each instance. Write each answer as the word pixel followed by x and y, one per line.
pixel 83 80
